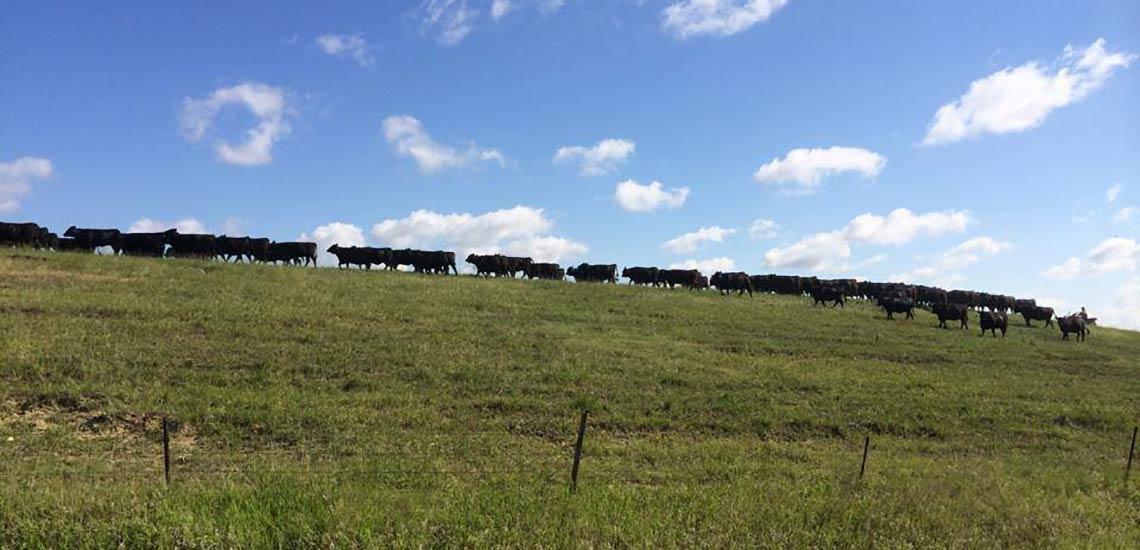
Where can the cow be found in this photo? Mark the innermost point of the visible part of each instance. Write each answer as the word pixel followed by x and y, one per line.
pixel 191 245
pixel 553 272
pixel 292 252
pixel 1020 305
pixel 435 262
pixel 737 281
pixel 67 244
pixel 967 298
pixel 515 265
pixel 787 285
pixel 48 240
pixel 827 293
pixel 21 234
pixel 259 249
pixel 150 245
pixel 930 295
pixel 951 312
pixel 1073 324
pixel 401 257
pixel 993 321
pixel 601 273
pixel 895 304
pixel 235 248
pixel 687 278
pixel 352 255
pixel 488 264
pixel 90 239
pixel 641 275
pixel 1038 313
pixel 701 284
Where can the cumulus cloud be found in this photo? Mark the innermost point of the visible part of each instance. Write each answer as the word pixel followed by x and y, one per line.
pixel 1124 214
pixel 340 233
pixel 902 226
pixel 406 133
pixel 1124 312
pixel 806 168
pixel 16 178
pixel 450 21
pixel 521 230
pixel 689 242
pixel 602 158
pixel 634 197
pixel 1110 195
pixel 266 103
pixel 690 18
pixel 185 225
pixel 1115 254
pixel 830 251
pixel 707 266
pixel 1020 98
pixel 351 46
pixel 763 229
pixel 966 254
pixel 500 8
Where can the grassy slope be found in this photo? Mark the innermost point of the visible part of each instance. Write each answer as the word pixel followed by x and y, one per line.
pixel 319 407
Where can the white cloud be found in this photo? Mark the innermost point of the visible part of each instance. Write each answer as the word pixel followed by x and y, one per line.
pixel 600 159
pixel 520 230
pixel 352 46
pixel 707 266
pixel 830 251
pixel 689 18
pixel 1112 192
pixel 806 168
pixel 966 254
pixel 268 105
pixel 819 252
pixel 449 20
pixel 185 225
pixel 499 8
pixel 902 226
pixel 1115 254
pixel 16 179
pixel 763 229
pixel 406 133
pixel 1020 98
pixel 689 242
pixel 1125 309
pixel 1124 214
pixel 635 197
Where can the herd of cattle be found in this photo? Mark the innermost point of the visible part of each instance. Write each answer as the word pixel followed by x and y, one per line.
pixel 893 298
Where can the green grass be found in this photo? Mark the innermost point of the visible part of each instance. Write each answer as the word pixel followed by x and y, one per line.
pixel 334 408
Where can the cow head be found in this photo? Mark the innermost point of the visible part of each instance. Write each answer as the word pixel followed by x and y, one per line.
pixel 472 258
pixel 71 231
pixel 333 249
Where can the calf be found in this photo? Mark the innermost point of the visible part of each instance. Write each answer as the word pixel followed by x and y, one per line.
pixel 993 321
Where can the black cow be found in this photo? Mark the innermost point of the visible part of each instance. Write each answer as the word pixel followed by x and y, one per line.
pixel 516 265
pixel 641 275
pixel 292 252
pixel 701 284
pixel 687 278
pixel 1074 324
pixel 21 234
pixel 737 281
pixel 401 257
pixel 951 312
pixel 931 295
pixel 1023 304
pixel 993 321
pixel 1038 313
pixel 894 304
pixel 601 273
pixel 361 256
pixel 151 245
pixel 236 248
pixel 192 245
pixel 259 249
pixel 67 244
pixel 436 262
pixel 90 239
pixel 827 293
pixel 553 272
pixel 787 285
pixel 489 264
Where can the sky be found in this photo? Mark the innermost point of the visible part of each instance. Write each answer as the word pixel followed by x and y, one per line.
pixel 976 145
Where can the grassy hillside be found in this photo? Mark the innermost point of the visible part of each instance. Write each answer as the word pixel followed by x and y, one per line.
pixel 334 408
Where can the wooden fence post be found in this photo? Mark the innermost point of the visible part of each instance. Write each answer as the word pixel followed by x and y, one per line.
pixel 166 451
pixel 1131 452
pixel 578 451
pixel 866 448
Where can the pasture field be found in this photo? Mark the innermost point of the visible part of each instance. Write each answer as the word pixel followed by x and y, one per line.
pixel 325 408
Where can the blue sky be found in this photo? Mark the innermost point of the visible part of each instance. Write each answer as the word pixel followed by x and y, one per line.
pixel 783 135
